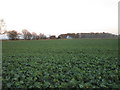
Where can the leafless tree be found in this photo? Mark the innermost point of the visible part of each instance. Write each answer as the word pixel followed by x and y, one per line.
pixel 27 34
pixel 2 26
pixel 34 36
pixel 42 36
pixel 12 34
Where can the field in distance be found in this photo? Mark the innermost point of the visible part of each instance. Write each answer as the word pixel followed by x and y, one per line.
pixel 79 63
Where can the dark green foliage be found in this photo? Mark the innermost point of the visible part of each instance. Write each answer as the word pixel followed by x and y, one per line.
pixel 79 63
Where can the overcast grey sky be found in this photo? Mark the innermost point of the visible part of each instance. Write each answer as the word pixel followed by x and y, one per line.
pixel 60 16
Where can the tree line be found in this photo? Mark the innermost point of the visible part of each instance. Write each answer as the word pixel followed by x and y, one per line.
pixel 26 35
pixel 14 35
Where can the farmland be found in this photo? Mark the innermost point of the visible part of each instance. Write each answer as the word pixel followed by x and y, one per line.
pixel 79 63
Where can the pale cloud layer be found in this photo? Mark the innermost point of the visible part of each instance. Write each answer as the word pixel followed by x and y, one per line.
pixel 60 16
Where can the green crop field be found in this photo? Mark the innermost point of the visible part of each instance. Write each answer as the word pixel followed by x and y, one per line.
pixel 74 63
